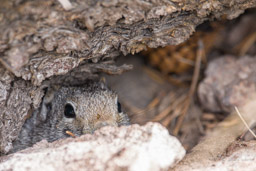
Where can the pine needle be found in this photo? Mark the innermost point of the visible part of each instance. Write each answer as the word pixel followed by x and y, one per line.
pixel 71 134
pixel 66 4
pixel 239 114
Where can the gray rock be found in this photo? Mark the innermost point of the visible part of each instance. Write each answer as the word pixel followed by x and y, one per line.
pixel 134 147
pixel 229 82
pixel 241 158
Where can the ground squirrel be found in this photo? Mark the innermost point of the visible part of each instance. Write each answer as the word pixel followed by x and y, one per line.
pixel 78 110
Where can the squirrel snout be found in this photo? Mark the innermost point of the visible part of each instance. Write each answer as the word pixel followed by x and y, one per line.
pixel 100 124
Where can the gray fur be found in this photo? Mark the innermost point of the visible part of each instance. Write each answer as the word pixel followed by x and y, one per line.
pixel 95 106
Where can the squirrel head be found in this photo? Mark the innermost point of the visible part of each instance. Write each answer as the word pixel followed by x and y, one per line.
pixel 82 110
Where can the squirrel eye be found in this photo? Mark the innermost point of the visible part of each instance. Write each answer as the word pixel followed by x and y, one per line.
pixel 69 111
pixel 119 108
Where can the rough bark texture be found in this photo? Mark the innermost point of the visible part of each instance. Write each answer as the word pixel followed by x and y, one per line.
pixel 42 39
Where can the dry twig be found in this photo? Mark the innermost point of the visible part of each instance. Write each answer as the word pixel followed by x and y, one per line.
pixel 171 107
pixel 245 45
pixel 241 117
pixel 199 56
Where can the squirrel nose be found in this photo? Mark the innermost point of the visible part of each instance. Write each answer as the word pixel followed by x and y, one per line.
pixel 101 124
pixel 97 125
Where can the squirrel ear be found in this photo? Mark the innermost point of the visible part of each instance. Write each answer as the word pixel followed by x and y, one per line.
pixel 46 102
pixel 49 93
pixel 103 83
pixel 103 80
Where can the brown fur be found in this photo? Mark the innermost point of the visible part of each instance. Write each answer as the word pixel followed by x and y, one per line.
pixel 94 104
